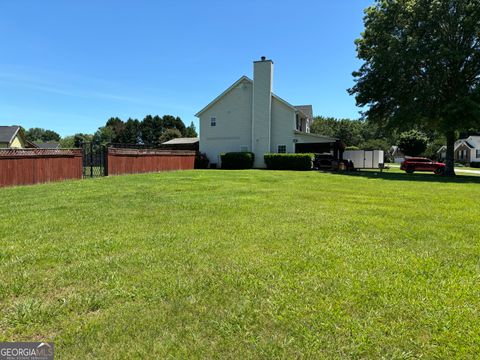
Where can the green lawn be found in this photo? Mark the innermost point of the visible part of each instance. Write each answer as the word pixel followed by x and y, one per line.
pixel 244 264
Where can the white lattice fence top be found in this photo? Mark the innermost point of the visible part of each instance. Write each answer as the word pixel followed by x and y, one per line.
pixel 39 152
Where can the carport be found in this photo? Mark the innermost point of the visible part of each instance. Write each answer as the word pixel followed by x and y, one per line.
pixel 318 144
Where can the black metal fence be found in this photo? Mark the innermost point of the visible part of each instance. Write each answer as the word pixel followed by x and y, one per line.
pixel 94 159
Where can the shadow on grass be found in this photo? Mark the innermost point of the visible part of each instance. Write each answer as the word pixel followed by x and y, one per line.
pixel 460 179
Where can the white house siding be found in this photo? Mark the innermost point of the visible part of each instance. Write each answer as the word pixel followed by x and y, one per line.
pixel 283 121
pixel 234 123
pixel 262 109
pixel 475 141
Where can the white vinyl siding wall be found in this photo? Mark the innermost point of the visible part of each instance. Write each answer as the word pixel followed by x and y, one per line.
pixel 233 128
pixel 283 124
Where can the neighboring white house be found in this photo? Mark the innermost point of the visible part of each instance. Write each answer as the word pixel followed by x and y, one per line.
pixel 396 154
pixel 466 150
pixel 248 116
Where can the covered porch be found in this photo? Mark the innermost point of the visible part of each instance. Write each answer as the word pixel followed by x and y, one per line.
pixel 318 144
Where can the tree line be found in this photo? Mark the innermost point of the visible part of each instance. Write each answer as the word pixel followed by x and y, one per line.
pixel 151 131
pixel 368 135
pixel 40 135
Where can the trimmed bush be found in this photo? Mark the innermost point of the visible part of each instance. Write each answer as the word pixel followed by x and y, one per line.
pixel 201 161
pixel 289 161
pixel 475 164
pixel 237 160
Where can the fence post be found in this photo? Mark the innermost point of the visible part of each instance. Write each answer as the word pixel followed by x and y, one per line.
pixel 91 159
pixel 105 160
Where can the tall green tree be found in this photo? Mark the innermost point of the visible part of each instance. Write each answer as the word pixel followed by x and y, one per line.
pixel 80 138
pixel 131 134
pixel 172 122
pixel 169 134
pixel 104 135
pixel 117 126
pixel 191 131
pixel 41 135
pixel 421 66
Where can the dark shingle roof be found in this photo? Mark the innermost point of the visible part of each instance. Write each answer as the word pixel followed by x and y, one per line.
pixel 47 145
pixel 7 133
pixel 469 145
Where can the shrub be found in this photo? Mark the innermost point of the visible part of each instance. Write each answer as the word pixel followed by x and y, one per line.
pixel 352 148
pixel 413 143
pixel 201 161
pixel 237 160
pixel 168 135
pixel 289 161
pixel 475 164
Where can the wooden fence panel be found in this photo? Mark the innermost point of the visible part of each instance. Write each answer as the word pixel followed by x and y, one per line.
pixel 132 161
pixel 33 166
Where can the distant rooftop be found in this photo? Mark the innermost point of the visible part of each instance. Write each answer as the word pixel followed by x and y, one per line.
pixel 7 133
pixel 47 145
pixel 181 141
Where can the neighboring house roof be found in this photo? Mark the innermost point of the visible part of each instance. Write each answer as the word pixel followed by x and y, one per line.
pixel 463 142
pixel 178 141
pixel 442 149
pixel 47 145
pixel 238 82
pixel 8 133
pixel 396 151
pixel 469 145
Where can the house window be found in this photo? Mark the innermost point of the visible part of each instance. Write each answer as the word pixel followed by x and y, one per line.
pixel 282 149
pixel 243 148
pixel 478 154
pixel 213 121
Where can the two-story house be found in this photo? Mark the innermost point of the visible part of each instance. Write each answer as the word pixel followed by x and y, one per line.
pixel 248 116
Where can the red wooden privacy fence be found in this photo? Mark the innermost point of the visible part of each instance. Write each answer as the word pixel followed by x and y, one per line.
pixel 131 161
pixel 32 166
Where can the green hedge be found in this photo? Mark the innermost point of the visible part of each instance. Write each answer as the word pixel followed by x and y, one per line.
pixel 289 161
pixel 475 164
pixel 237 160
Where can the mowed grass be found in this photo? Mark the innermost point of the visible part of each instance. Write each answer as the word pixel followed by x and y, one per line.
pixel 244 264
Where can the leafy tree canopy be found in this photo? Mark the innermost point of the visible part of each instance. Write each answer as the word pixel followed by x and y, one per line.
pixel 191 131
pixel 41 135
pixel 375 144
pixel 421 66
pixel 413 143
pixel 169 134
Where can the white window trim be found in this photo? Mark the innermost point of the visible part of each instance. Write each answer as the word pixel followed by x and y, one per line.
pixel 213 121
pixel 278 149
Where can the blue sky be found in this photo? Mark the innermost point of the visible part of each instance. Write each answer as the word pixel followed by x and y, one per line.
pixel 70 65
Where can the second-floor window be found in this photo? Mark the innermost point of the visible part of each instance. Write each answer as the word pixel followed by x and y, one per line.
pixel 213 121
